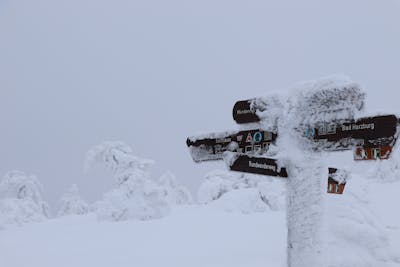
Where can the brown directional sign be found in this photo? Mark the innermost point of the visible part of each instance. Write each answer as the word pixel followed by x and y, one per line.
pixel 334 187
pixel 245 111
pixel 211 147
pixel 257 165
pixel 365 132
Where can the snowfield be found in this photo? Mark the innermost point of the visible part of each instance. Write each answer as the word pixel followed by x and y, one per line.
pixel 213 235
pixel 191 236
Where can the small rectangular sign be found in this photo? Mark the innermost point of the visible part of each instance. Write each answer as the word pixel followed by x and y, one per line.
pixel 257 165
pixel 334 187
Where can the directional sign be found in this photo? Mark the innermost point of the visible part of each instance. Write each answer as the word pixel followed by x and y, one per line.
pixel 245 111
pixel 370 132
pixel 257 165
pixel 212 147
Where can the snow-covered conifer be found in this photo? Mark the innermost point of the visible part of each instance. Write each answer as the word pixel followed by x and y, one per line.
pixel 72 203
pixel 135 196
pixel 21 199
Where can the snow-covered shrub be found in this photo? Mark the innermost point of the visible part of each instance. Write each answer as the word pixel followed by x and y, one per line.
pixel 72 203
pixel 217 183
pixel 175 194
pixel 247 193
pixel 21 199
pixel 135 195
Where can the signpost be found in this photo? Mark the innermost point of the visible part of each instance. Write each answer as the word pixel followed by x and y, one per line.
pixel 370 137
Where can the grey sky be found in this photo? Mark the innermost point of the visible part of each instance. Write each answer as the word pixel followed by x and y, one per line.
pixel 74 73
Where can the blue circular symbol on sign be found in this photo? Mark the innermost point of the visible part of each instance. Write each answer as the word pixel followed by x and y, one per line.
pixel 310 132
pixel 257 137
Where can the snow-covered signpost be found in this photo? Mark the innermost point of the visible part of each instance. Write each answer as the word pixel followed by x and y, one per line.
pixel 288 137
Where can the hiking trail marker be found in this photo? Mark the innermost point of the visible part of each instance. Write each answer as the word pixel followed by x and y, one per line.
pixel 371 138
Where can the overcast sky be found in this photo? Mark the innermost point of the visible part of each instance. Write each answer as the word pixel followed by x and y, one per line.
pixel 74 73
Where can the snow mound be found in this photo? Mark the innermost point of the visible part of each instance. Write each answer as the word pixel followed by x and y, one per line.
pixel 353 231
pixel 21 199
pixel 217 183
pixel 72 203
pixel 248 193
pixel 273 194
pixel 243 201
pixel 386 171
pixel 174 193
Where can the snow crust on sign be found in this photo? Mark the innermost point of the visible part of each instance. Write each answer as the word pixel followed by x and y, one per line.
pixel 201 136
pixel 271 111
pixel 331 98
pixel 203 153
pixel 327 99
pixel 341 176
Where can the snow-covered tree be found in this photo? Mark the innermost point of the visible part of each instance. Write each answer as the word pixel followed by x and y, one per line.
pixel 21 199
pixel 135 195
pixel 72 203
pixel 175 194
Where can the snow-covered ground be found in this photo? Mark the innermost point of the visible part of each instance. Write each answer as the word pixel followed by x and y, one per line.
pixel 217 234
pixel 191 236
